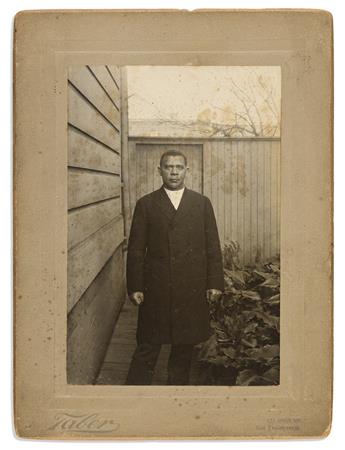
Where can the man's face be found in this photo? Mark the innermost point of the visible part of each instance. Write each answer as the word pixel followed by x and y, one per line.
pixel 173 172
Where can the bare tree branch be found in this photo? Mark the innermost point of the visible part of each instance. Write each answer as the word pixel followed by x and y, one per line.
pixel 248 120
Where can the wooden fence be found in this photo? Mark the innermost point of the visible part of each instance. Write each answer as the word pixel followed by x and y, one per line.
pixel 240 176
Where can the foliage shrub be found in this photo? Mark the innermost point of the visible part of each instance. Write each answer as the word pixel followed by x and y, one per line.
pixel 244 347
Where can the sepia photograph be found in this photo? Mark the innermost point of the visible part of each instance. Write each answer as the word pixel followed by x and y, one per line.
pixel 174 225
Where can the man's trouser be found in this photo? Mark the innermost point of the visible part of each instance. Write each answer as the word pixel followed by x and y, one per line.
pixel 144 361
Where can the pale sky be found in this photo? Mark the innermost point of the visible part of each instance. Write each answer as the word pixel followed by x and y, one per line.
pixel 248 97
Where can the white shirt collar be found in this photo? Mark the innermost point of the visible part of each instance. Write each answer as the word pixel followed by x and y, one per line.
pixel 175 196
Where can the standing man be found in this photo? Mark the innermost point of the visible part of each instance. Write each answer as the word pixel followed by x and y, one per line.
pixel 174 266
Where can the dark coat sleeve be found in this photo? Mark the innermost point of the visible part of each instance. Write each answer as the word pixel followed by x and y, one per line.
pixel 137 244
pixel 215 276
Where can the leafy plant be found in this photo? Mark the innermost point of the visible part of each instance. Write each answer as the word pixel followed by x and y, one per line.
pixel 244 347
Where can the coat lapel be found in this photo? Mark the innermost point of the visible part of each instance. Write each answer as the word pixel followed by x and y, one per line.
pixel 185 206
pixel 163 202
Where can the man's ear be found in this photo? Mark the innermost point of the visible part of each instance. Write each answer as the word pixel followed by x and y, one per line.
pixel 159 170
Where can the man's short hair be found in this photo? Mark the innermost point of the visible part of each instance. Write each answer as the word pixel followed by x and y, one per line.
pixel 172 153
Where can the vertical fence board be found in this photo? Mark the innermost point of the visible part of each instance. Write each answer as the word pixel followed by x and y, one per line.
pixel 234 193
pixel 240 198
pixel 267 181
pixel 207 170
pixel 222 213
pixel 277 188
pixel 274 199
pixel 261 201
pixel 241 178
pixel 247 203
pixel 254 201
pixel 214 178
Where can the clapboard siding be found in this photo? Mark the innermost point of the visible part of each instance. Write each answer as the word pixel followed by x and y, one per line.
pixel 103 76
pixel 85 221
pixel 95 218
pixel 84 116
pixel 91 322
pixel 114 72
pixel 87 259
pixel 85 187
pixel 88 153
pixel 84 80
pixel 240 176
pixel 131 187
pixel 125 159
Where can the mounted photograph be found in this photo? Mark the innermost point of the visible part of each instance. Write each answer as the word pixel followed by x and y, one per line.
pixel 174 225
pixel 173 219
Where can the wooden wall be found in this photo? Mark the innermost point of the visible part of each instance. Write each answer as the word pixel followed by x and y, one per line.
pixel 240 176
pixel 242 179
pixel 95 220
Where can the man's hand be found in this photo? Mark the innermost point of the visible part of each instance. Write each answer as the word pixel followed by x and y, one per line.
pixel 213 295
pixel 137 298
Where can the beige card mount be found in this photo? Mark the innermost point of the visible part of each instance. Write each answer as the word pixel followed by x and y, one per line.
pixel 247 96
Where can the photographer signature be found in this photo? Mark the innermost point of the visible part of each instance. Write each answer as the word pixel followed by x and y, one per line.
pixel 83 423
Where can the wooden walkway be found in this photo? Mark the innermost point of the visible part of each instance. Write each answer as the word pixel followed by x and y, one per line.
pixel 122 345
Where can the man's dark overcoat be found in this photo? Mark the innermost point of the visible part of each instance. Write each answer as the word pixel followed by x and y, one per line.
pixel 174 256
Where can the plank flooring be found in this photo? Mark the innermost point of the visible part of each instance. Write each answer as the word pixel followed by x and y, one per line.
pixel 122 345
